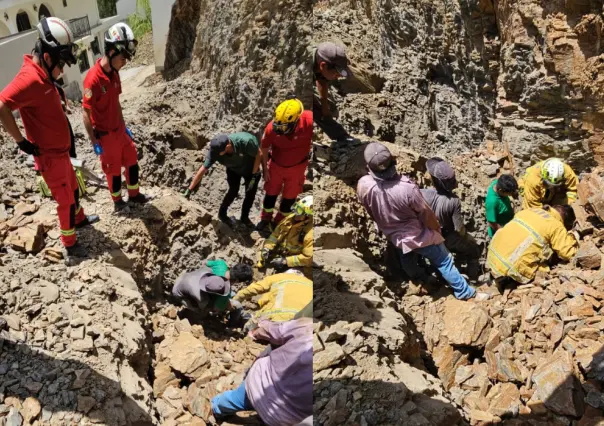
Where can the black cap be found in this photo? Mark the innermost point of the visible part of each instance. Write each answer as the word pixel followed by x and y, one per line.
pixel 380 161
pixel 219 143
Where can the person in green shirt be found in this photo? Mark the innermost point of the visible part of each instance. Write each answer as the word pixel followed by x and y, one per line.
pixel 498 206
pixel 241 155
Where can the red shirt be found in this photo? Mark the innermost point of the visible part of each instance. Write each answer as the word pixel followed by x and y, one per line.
pixel 102 98
pixel 289 150
pixel 39 103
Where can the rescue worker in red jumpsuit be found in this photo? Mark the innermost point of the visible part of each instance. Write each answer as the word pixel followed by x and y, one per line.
pixel 34 94
pixel 103 117
pixel 288 139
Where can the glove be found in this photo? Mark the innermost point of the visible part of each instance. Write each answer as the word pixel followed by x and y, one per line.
pixel 129 133
pixel 576 235
pixel 98 149
pixel 28 148
pixel 255 178
pixel 187 193
pixel 279 264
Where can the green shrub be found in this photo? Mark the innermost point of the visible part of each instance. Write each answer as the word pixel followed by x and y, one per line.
pixel 140 24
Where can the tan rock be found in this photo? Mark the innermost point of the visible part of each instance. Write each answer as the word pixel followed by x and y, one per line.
pixel 503 369
pixel 29 239
pixel 186 354
pixel 164 377
pixel 589 256
pixel 448 360
pixel 556 385
pixel 331 355
pixel 466 323
pixel 505 400
pixel 31 409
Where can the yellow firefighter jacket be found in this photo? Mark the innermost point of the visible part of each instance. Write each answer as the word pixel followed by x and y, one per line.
pixel 527 243
pixel 535 193
pixel 284 296
pixel 292 239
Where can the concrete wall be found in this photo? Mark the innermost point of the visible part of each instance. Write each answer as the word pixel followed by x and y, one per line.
pixel 161 13
pixel 12 52
pixel 126 8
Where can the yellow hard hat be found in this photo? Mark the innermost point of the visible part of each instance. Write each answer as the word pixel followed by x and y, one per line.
pixel 287 116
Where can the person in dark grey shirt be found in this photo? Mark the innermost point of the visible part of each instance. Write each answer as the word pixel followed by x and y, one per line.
pixel 447 207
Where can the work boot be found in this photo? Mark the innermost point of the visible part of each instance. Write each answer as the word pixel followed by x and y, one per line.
pixel 71 254
pixel 224 218
pixel 264 225
pixel 88 220
pixel 140 198
pixel 119 205
pixel 246 221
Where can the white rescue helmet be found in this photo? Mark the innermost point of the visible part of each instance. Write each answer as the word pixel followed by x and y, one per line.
pixel 552 171
pixel 121 38
pixel 56 39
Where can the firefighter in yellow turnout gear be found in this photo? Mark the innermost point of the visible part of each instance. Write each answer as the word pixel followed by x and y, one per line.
pixel 550 182
pixel 291 243
pixel 283 296
pixel 527 243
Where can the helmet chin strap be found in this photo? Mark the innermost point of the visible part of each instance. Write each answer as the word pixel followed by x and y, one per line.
pixel 51 68
pixel 115 54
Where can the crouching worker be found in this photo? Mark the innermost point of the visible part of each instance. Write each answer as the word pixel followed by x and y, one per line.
pixel 548 182
pixel 208 290
pixel 527 243
pixel 278 386
pixel 283 296
pixel 291 243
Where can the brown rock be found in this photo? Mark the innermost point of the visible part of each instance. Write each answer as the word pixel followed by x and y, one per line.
pixel 448 360
pixel 503 369
pixel 477 416
pixel 589 256
pixel 505 400
pixel 164 378
pixel 466 323
pixel 29 239
pixel 198 403
pixel 186 354
pixel 580 307
pixel 85 403
pixel 556 385
pixel 23 209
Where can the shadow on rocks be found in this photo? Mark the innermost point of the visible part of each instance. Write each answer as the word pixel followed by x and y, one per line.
pixel 55 389
pixel 354 402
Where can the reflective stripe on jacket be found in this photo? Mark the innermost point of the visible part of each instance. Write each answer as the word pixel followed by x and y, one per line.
pixel 292 239
pixel 284 295
pixel 535 193
pixel 527 243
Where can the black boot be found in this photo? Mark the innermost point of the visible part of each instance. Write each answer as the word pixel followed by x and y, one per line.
pixel 246 221
pixel 119 205
pixel 88 220
pixel 265 225
pixel 71 254
pixel 140 198
pixel 224 218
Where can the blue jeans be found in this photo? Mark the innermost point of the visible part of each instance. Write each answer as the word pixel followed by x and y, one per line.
pixel 439 256
pixel 232 401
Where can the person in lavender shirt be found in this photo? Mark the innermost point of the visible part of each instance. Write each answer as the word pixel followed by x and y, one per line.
pixel 396 205
pixel 278 386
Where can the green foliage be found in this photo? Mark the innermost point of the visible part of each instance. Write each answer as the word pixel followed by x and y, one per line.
pixel 141 24
pixel 108 8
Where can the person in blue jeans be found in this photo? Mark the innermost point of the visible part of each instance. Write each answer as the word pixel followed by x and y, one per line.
pixel 396 205
pixel 278 386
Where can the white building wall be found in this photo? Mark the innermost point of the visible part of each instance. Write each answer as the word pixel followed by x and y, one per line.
pixel 161 14
pixel 126 8
pixel 12 52
pixel 13 48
